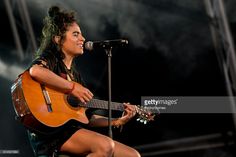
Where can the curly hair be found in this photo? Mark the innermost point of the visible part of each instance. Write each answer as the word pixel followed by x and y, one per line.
pixel 55 24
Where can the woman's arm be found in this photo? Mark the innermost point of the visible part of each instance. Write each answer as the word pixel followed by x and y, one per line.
pixel 47 77
pixel 101 121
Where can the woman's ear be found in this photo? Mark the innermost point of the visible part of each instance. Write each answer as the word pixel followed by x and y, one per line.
pixel 57 39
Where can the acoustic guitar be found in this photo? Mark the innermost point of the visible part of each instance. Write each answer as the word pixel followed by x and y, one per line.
pixel 42 108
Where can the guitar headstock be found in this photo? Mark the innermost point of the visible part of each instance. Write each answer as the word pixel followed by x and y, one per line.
pixel 144 115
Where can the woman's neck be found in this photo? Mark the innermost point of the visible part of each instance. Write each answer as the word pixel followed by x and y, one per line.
pixel 68 61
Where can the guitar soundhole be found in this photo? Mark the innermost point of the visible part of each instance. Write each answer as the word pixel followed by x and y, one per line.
pixel 73 101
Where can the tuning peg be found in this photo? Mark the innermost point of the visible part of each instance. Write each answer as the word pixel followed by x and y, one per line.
pixel 145 122
pixel 138 119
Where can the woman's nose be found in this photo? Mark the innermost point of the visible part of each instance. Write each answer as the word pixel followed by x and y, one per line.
pixel 82 38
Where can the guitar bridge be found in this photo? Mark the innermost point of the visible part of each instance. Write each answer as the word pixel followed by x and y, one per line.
pixel 47 98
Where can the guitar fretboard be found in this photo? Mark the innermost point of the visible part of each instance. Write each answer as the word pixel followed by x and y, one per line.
pixel 99 104
pixel 102 104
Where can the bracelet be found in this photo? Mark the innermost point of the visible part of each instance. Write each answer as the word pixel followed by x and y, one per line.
pixel 70 90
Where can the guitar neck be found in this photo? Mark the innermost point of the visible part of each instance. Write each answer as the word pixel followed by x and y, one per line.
pixel 102 104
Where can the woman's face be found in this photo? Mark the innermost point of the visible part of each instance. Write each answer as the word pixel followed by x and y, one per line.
pixel 74 41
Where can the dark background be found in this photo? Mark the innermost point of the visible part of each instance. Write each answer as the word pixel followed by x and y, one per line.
pixel 170 53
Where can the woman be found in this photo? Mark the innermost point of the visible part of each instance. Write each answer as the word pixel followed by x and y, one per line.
pixel 61 42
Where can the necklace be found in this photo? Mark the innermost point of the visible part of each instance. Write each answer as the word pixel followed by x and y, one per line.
pixel 69 72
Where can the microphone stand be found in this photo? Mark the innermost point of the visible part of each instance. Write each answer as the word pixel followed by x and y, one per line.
pixel 109 55
pixel 107 45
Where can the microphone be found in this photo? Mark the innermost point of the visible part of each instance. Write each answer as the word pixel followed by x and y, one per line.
pixel 91 45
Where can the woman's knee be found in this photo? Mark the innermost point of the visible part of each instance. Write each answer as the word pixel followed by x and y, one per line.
pixel 134 153
pixel 106 147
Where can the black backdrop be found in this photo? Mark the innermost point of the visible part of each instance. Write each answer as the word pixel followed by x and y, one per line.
pixel 170 53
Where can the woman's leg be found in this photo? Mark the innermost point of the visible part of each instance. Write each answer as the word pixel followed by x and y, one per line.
pixel 122 150
pixel 92 144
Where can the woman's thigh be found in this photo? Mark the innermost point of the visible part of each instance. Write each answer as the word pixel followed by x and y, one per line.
pixel 85 141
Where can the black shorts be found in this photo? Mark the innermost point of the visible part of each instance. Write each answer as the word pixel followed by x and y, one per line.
pixel 50 144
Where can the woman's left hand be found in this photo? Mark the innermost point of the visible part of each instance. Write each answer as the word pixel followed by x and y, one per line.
pixel 129 112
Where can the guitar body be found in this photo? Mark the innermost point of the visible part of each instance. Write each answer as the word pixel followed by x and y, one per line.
pixel 32 108
pixel 41 108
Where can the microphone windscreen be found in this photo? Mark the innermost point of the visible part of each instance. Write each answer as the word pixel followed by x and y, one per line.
pixel 88 45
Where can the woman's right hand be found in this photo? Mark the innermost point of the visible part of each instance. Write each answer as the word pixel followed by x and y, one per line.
pixel 82 93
